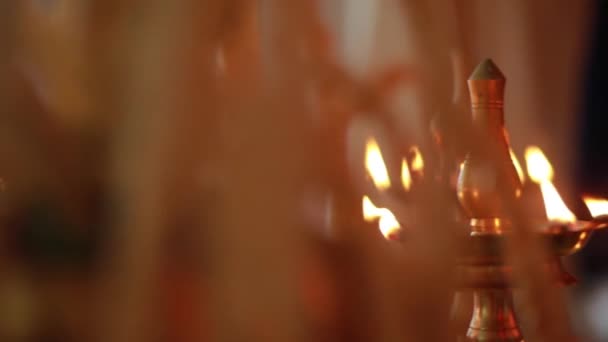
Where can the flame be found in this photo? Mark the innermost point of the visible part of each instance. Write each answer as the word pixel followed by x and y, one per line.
pixel 518 168
pixel 539 168
pixel 417 161
pixel 597 206
pixel 387 222
pixel 540 171
pixel 374 163
pixel 406 178
pixel 370 211
pixel 554 206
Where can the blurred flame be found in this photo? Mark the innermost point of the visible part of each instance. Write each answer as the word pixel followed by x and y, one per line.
pixel 417 161
pixel 539 168
pixel 597 206
pixel 518 168
pixel 387 222
pixel 370 211
pixel 540 171
pixel 406 177
pixel 374 163
pixel 554 206
pixel 581 240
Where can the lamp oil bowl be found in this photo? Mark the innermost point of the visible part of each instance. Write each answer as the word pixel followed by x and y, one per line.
pixel 487 183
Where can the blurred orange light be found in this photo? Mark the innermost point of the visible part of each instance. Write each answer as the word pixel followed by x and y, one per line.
pixel 540 171
pixel 518 168
pixel 406 177
pixel 374 163
pixel 387 222
pixel 417 161
pixel 597 206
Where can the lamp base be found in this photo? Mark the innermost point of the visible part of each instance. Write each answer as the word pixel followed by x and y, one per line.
pixel 493 317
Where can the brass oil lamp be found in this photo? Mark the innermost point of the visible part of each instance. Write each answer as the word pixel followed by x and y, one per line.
pixel 487 182
pixel 478 192
pixel 489 185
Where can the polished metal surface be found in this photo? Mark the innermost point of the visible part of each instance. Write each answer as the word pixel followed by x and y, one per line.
pixel 483 181
pixel 493 317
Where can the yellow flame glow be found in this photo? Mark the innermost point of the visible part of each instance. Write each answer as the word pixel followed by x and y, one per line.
pixel 539 168
pixel 370 211
pixel 406 177
pixel 597 206
pixel 518 168
pixel 374 163
pixel 555 207
pixel 387 222
pixel 417 161
pixel 540 171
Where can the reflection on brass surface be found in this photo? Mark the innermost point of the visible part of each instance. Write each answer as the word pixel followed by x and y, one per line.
pixel 489 225
pixel 493 317
pixel 480 177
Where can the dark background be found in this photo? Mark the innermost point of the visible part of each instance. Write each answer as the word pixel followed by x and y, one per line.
pixel 592 174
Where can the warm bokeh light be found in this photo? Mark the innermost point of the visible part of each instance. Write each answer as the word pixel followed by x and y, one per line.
pixel 387 222
pixel 518 168
pixel 540 171
pixel 406 177
pixel 417 161
pixel 374 163
pixel 539 168
pixel 597 206
pixel 554 205
pixel 370 211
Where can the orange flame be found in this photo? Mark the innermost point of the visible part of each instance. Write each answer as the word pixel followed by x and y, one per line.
pixel 417 161
pixel 387 222
pixel 406 177
pixel 374 163
pixel 597 206
pixel 518 168
pixel 540 172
